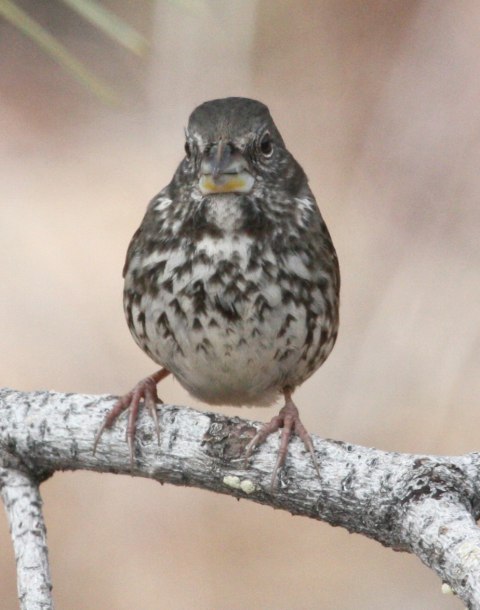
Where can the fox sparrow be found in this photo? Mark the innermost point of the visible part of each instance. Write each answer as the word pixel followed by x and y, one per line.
pixel 232 281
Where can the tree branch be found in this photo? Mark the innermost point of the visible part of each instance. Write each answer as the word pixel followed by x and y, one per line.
pixel 426 505
pixel 21 497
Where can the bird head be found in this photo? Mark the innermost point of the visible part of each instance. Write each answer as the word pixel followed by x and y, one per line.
pixel 231 144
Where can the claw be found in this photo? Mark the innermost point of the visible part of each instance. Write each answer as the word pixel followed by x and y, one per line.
pixel 152 409
pixel 146 390
pixel 289 420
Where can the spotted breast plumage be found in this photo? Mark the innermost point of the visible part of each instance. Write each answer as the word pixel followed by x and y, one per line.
pixel 232 280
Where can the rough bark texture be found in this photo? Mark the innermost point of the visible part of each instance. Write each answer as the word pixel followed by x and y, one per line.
pixel 21 497
pixel 421 504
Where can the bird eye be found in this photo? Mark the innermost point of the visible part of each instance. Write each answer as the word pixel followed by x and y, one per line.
pixel 188 150
pixel 266 145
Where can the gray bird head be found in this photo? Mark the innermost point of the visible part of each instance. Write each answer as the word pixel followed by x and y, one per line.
pixel 230 143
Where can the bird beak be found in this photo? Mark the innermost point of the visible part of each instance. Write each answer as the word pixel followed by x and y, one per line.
pixel 221 158
pixel 224 170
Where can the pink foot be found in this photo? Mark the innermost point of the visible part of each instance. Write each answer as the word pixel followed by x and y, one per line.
pixel 289 420
pixel 145 389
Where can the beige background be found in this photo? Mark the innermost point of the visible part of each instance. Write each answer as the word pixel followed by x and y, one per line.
pixel 379 101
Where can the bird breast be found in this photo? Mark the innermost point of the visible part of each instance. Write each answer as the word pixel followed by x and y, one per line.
pixel 214 312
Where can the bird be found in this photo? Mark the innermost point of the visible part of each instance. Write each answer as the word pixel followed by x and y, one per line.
pixel 232 280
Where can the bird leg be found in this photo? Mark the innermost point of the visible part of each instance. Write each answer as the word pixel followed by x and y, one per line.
pixel 146 389
pixel 289 420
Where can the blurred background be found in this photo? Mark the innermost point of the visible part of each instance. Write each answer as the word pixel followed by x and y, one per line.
pixel 379 101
